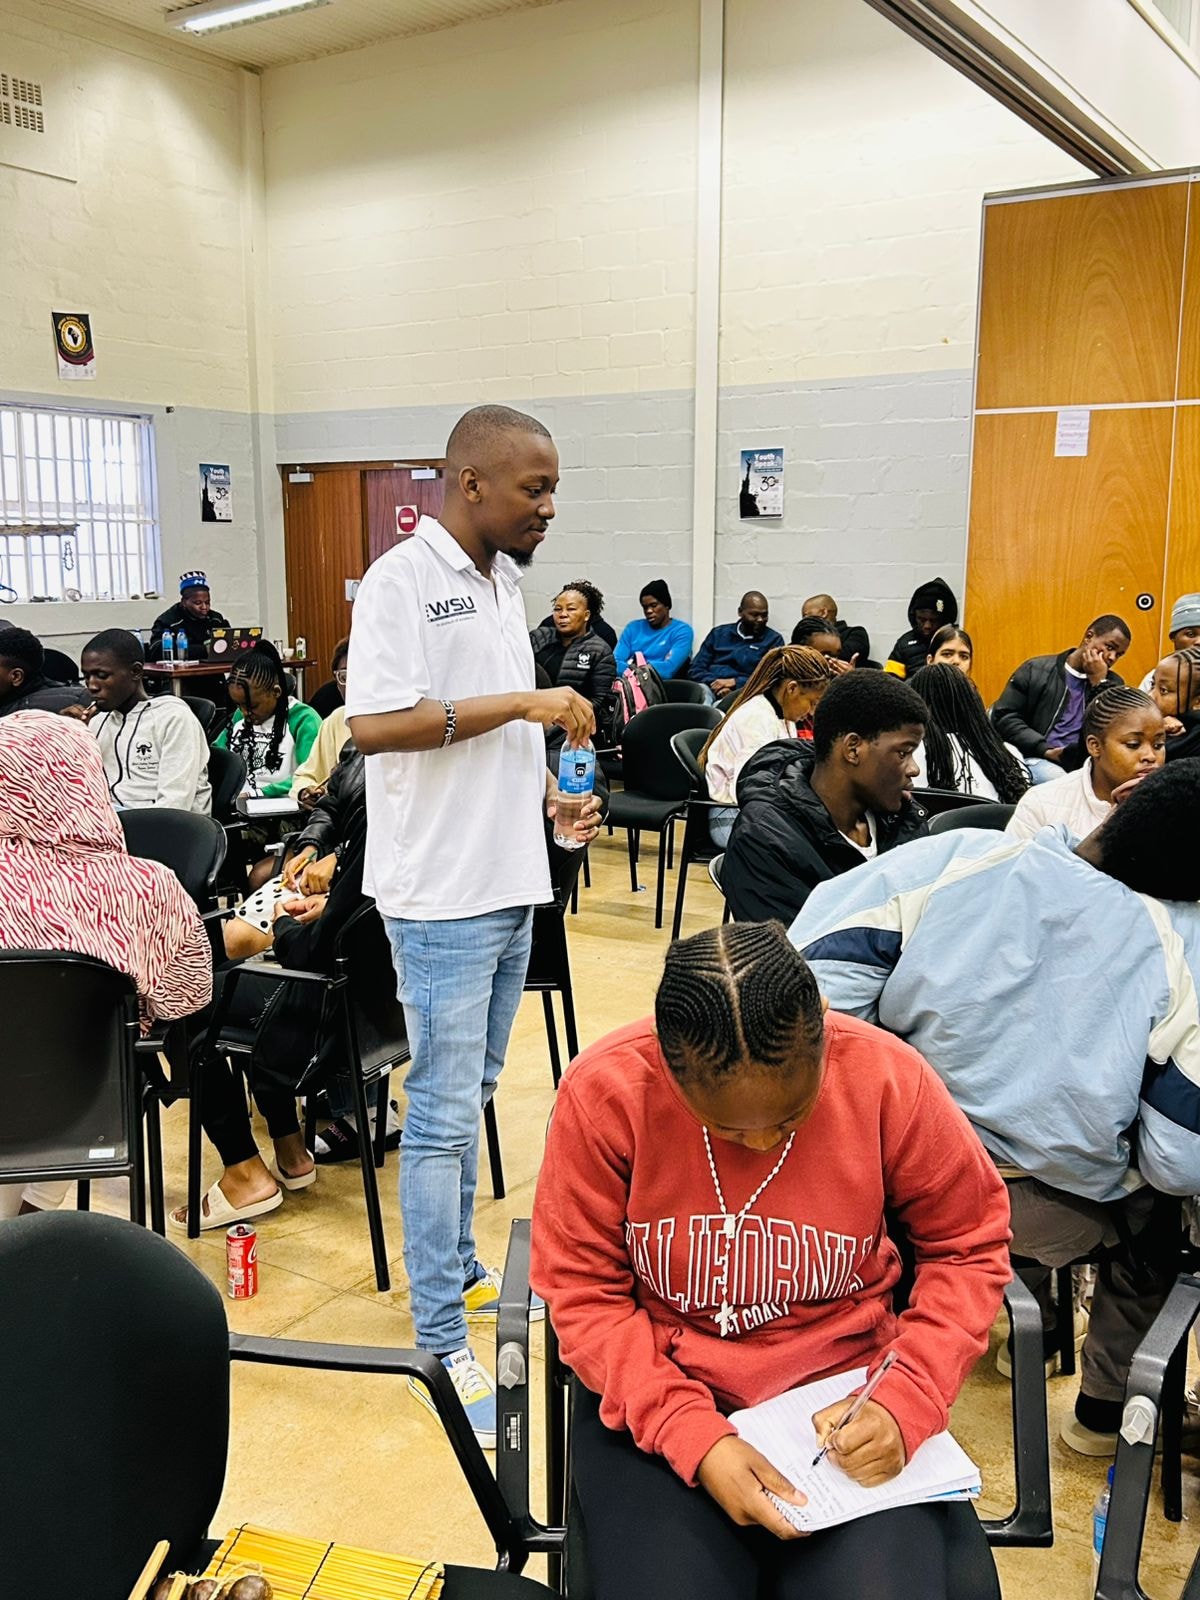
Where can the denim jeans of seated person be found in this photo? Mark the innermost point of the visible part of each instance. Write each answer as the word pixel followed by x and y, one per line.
pixel 460 983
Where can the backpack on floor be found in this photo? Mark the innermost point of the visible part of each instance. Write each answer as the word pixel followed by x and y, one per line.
pixel 637 687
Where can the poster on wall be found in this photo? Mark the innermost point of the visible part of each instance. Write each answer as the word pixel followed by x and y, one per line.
pixel 762 483
pixel 216 493
pixel 73 344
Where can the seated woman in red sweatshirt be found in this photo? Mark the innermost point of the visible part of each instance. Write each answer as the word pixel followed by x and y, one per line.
pixel 709 1232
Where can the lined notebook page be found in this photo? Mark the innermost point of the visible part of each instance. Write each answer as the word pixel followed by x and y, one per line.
pixel 782 1429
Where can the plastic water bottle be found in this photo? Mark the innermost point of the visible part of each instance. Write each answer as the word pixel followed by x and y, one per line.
pixel 168 646
pixel 1099 1524
pixel 576 777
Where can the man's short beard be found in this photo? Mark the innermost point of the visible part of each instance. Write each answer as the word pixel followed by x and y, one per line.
pixel 523 558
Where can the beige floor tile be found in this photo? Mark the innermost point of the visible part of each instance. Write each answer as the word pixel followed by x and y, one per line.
pixel 355 1458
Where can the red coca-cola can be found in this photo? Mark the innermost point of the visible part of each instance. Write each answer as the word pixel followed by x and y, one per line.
pixel 241 1258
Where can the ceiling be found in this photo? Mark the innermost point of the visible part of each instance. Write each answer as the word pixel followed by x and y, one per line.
pixel 342 25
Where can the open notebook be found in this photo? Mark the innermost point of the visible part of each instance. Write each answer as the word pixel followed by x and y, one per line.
pixel 782 1429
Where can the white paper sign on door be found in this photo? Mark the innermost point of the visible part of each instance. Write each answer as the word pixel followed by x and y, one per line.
pixel 1071 431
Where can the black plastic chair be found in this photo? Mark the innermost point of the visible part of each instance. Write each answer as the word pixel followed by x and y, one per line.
pixel 939 801
pixel 1156 1378
pixel 549 959
pixel 360 1028
pixel 70 1095
pixel 697 840
pixel 984 814
pixel 192 845
pixel 656 786
pixel 205 711
pixel 561 1538
pixel 684 692
pixel 58 667
pixel 119 1355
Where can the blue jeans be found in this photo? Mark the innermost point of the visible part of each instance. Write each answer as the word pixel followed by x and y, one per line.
pixel 460 985
pixel 1043 771
pixel 720 824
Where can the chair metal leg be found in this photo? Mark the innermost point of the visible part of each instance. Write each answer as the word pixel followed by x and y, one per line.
pixel 195 1128
pixel 684 858
pixel 671 844
pixel 552 1036
pixel 83 1195
pixel 587 868
pixel 137 1177
pixel 495 1160
pixel 1171 1424
pixel 370 1181
pixel 1064 1325
pixel 567 992
pixel 662 875
pixel 154 1164
pixel 575 898
pixel 633 855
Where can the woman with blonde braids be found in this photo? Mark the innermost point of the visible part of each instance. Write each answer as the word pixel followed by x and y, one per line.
pixel 776 702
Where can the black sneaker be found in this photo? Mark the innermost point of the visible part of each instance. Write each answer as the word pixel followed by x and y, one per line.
pixel 339 1142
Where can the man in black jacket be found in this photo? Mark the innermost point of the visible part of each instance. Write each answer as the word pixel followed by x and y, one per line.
pixel 1042 706
pixel 932 606
pixel 856 643
pixel 24 685
pixel 806 816
pixel 193 616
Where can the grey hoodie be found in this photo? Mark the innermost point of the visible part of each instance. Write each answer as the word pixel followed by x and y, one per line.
pixel 155 755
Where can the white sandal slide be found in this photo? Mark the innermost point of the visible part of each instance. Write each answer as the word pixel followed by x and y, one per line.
pixel 304 1181
pixel 221 1214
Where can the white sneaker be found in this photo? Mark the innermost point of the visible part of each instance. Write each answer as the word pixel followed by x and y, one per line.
pixel 474 1387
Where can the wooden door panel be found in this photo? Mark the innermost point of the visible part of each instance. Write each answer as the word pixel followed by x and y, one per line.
pixel 1189 349
pixel 1183 548
pixel 1080 297
pixel 387 488
pixel 1057 540
pixel 323 535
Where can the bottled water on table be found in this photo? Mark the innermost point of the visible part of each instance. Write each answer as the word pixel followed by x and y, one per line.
pixel 168 646
pixel 576 778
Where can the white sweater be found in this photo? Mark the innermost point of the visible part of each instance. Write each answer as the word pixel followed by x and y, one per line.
pixel 156 755
pixel 751 726
pixel 971 778
pixel 1070 799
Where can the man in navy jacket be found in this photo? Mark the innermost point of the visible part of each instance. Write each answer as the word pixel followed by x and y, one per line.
pixel 731 651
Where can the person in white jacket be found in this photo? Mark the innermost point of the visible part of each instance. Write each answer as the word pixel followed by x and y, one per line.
pixel 961 751
pixel 779 694
pixel 155 752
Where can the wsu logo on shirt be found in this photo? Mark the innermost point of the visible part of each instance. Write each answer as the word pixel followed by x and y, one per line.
pixel 451 610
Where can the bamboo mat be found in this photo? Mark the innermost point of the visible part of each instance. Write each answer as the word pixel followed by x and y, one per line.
pixel 313 1569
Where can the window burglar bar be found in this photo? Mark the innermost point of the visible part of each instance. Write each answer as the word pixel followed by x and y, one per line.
pixel 61 470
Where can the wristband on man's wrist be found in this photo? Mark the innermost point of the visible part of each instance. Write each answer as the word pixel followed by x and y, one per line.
pixel 451 722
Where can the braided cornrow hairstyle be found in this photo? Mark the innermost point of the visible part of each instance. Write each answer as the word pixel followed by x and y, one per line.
pixel 786 663
pixel 261 668
pixel 737 996
pixel 955 707
pixel 810 628
pixel 589 591
pixel 1189 678
pixel 1104 708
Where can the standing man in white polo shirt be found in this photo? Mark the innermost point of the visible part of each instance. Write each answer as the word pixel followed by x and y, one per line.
pixel 441 700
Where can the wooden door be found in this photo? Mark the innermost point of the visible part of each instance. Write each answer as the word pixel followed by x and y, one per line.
pixel 323 537
pixel 1058 540
pixel 385 490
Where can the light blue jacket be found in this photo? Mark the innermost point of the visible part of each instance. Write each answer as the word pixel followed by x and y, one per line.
pixel 666 649
pixel 1058 1006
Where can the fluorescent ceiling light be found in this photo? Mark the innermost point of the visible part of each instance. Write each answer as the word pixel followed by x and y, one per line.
pixel 214 14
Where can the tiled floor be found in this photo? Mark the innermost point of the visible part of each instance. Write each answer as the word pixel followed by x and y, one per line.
pixel 354 1458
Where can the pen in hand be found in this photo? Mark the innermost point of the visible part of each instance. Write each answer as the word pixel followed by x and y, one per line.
pixel 858 1402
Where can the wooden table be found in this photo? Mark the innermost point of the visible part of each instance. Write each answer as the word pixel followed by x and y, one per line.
pixel 177 673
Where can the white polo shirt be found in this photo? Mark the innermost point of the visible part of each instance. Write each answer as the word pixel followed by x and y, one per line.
pixel 454 832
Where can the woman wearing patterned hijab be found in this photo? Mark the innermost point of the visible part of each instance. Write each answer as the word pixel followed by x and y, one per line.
pixel 68 883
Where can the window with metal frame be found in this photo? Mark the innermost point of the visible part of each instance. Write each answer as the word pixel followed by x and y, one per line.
pixel 78 506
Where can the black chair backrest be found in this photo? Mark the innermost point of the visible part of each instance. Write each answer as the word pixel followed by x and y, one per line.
pixel 69 1033
pixel 687 745
pixel 651 767
pixel 936 801
pixel 205 710
pixel 193 846
pixel 726 700
pixel 59 668
pixel 227 774
pixel 684 692
pixel 988 815
pixel 376 1013
pixel 117 1352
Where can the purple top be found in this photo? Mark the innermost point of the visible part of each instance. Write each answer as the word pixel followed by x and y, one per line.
pixel 1069 723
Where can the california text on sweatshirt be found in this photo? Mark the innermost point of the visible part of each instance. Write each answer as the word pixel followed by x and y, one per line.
pixel 630 1253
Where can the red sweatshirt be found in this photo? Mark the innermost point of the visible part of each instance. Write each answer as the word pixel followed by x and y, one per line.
pixel 630 1254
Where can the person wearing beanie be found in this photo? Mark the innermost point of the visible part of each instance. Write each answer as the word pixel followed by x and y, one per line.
pixel 665 642
pixel 932 606
pixel 1184 631
pixel 1042 707
pixel 193 616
